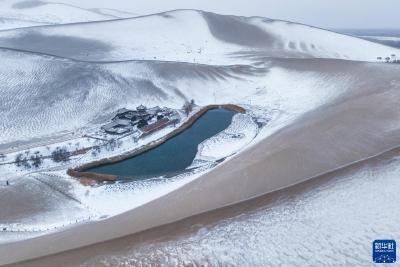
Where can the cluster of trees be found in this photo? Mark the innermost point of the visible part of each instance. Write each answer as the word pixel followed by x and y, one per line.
pixel 61 154
pixel 391 59
pixel 28 160
pixel 35 160
pixel 96 150
pixel 188 107
pixel 112 144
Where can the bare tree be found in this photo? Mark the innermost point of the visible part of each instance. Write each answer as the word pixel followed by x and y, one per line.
pixel 120 143
pixel 60 155
pixel 112 143
pixel 36 159
pixel 22 160
pixel 187 108
pixel 18 159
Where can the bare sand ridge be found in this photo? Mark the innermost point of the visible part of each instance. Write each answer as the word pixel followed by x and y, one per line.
pixel 360 123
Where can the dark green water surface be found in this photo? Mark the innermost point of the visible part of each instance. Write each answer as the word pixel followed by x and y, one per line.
pixel 176 154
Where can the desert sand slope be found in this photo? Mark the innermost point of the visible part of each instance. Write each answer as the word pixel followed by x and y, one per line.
pixel 20 14
pixel 340 204
pixel 357 124
pixel 191 36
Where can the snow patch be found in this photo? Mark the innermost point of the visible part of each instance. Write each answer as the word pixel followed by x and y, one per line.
pixel 239 134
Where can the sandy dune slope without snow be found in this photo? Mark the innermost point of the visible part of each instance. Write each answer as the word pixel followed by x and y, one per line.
pixel 19 14
pixel 191 36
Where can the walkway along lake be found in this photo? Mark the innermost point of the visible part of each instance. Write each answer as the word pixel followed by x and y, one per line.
pixel 173 156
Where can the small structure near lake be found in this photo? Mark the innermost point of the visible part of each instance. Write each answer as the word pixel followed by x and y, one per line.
pixel 117 127
pixel 140 121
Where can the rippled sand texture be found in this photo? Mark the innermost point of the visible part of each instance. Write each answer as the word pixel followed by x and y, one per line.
pixel 78 94
pixel 331 220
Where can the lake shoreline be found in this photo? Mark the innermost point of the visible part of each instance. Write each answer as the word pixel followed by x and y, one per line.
pixel 79 172
pixel 302 150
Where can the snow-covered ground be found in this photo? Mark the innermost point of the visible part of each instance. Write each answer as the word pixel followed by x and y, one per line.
pixel 275 96
pixel 94 91
pixel 341 213
pixel 383 38
pixel 82 204
pixel 19 14
pixel 239 134
pixel 170 36
pixel 277 70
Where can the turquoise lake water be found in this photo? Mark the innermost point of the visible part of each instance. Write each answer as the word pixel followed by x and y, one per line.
pixel 173 156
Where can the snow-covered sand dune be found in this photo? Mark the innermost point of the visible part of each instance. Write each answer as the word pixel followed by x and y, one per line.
pixel 359 122
pixel 191 36
pixel 19 14
pixel 81 94
pixel 65 95
pixel 325 212
pixel 328 112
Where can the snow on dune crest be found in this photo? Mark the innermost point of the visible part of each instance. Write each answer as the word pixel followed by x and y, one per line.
pixel 26 13
pixel 114 12
pixel 7 23
pixel 168 37
pixel 320 43
pixel 193 36
pixel 84 94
